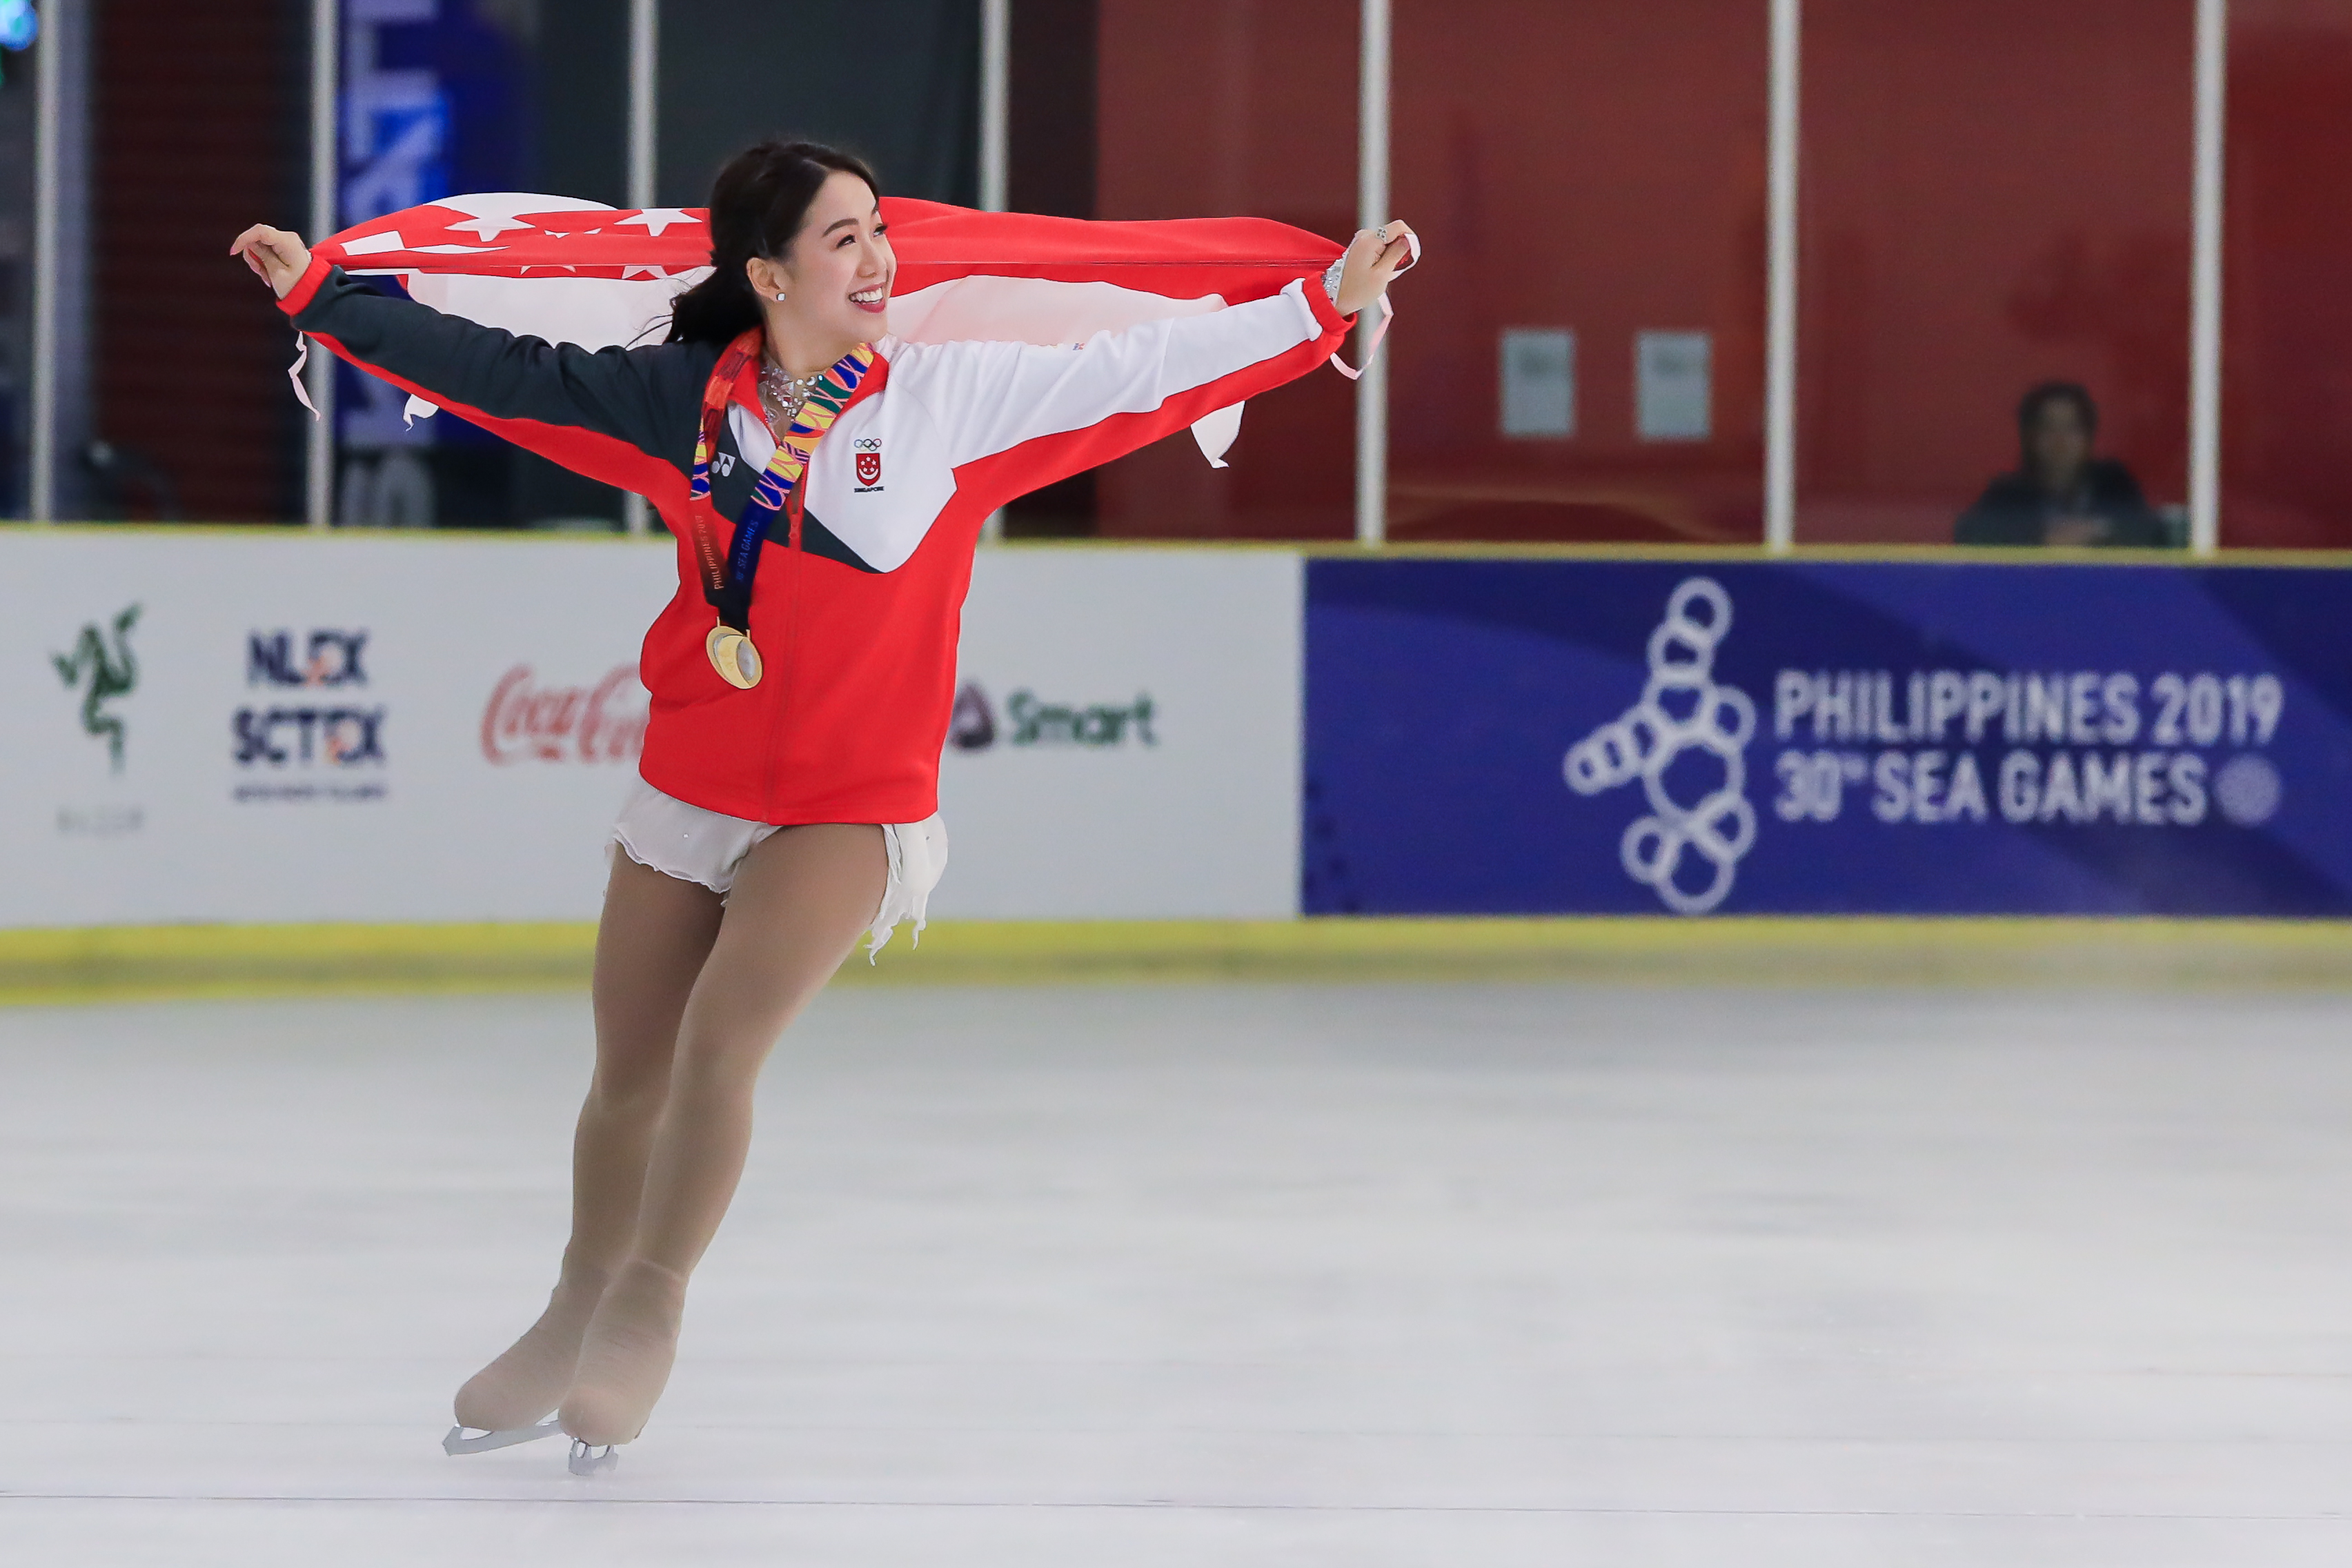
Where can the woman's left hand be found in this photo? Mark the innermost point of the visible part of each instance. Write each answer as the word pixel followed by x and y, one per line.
pixel 1372 261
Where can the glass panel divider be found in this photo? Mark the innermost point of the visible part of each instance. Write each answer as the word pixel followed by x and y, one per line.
pixel 1784 143
pixel 645 87
pixel 48 204
pixel 2205 282
pixel 995 144
pixel 1372 112
pixel 319 446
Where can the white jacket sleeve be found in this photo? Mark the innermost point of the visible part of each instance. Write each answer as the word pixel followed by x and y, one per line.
pixel 1055 411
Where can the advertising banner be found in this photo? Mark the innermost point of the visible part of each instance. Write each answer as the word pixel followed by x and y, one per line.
pixel 1126 737
pixel 270 726
pixel 1826 737
pixel 274 726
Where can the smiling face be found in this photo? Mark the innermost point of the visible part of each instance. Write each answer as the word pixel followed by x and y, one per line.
pixel 835 276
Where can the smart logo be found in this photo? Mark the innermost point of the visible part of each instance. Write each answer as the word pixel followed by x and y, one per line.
pixel 972 724
pixel 1685 740
pixel 307 748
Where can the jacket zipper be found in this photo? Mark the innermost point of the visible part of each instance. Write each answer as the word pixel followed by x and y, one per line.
pixel 790 661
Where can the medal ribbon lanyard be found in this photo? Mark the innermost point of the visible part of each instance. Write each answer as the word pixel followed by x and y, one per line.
pixel 726 580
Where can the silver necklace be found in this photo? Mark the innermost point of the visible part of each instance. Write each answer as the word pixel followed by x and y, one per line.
pixel 785 393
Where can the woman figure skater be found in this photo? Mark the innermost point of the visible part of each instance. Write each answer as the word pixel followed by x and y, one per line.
pixel 827 484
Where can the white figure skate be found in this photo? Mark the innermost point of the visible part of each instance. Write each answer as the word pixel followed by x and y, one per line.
pixel 588 1460
pixel 456 1442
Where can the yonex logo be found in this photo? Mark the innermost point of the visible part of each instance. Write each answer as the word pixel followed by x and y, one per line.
pixel 1681 711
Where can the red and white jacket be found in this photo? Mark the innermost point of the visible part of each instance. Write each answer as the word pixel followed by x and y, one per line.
pixel 857 612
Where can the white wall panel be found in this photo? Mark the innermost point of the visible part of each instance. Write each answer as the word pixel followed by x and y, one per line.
pixel 1156 775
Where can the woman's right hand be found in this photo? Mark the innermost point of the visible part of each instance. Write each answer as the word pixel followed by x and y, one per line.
pixel 278 257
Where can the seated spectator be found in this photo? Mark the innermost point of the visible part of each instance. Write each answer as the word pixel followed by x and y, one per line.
pixel 2061 495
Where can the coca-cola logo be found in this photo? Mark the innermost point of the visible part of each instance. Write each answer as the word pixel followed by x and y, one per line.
pixel 527 722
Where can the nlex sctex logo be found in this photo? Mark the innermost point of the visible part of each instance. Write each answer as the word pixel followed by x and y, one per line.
pixel 309 746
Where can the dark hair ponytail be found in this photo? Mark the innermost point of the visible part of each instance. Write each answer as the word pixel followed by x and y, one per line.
pixel 757 204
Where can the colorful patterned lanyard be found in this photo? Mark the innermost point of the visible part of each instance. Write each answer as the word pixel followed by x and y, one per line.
pixel 726 583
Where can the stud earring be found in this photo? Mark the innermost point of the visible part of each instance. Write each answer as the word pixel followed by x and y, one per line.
pixel 780 294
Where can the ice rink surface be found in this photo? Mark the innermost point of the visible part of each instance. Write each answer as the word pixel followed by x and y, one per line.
pixel 1319 1277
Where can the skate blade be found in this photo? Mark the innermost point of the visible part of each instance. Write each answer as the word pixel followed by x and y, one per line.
pixel 456 1442
pixel 588 1461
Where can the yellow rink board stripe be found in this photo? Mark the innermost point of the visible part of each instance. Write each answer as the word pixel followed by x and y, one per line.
pixel 119 963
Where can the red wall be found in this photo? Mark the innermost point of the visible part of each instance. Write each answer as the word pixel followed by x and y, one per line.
pixel 1216 108
pixel 2286 459
pixel 1598 168
pixel 199 128
pixel 1995 193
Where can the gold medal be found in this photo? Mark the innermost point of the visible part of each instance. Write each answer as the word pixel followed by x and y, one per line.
pixel 727 576
pixel 733 656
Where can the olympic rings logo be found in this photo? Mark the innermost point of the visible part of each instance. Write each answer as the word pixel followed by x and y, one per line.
pixel 1682 710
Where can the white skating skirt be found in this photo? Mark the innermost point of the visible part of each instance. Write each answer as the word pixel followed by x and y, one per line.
pixel 708 847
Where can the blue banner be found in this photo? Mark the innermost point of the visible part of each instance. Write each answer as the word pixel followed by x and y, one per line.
pixel 434 101
pixel 1826 737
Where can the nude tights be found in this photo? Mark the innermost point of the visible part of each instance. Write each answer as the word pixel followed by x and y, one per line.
pixel 689 1000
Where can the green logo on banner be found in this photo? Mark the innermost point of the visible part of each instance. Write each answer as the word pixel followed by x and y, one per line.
pixel 102 674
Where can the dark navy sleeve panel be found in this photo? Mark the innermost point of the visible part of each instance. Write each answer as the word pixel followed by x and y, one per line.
pixel 626 416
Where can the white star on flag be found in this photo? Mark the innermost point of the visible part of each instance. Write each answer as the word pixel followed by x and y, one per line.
pixel 657 219
pixel 492 227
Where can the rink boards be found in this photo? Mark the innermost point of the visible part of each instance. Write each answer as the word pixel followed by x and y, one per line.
pixel 1939 736
pixel 261 726
pixel 397 729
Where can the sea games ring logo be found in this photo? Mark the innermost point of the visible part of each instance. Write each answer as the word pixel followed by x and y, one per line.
pixel 1685 737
